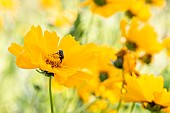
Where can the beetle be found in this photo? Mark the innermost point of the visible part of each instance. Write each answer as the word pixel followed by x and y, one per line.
pixel 61 55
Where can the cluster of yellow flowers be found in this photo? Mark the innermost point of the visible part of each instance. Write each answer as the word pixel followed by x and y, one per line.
pixel 102 72
pixel 138 8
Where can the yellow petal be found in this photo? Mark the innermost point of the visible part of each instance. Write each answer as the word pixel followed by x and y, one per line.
pixel 15 49
pixel 51 41
pixel 77 79
pixel 67 43
pixel 141 88
pixel 34 41
pixel 23 60
pixel 83 56
pixel 162 98
pixel 123 24
pixel 63 73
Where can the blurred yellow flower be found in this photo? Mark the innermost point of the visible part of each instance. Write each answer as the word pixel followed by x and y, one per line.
pixel 129 62
pixel 59 15
pixel 147 89
pixel 158 3
pixel 98 106
pixel 144 37
pixel 162 98
pixel 1 22
pixel 107 80
pixel 66 58
pixel 50 3
pixel 166 44
pixel 141 88
pixel 126 60
pixel 140 10
pixel 65 18
pixel 7 4
pixel 8 8
pixel 107 8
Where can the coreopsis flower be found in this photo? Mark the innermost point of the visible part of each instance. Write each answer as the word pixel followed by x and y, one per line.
pixel 158 3
pixel 1 22
pixel 107 80
pixel 140 89
pixel 107 8
pixel 59 16
pixel 50 3
pixel 162 98
pixel 64 58
pixel 64 18
pixel 139 10
pixel 141 37
pixel 147 89
pixel 166 44
pixel 8 5
pixel 126 60
pixel 98 105
pixel 8 8
pixel 129 62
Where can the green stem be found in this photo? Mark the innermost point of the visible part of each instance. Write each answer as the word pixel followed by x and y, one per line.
pixel 132 108
pixel 118 107
pixel 88 29
pixel 82 108
pixel 32 101
pixel 50 93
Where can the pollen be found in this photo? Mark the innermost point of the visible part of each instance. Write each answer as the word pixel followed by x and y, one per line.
pixel 54 60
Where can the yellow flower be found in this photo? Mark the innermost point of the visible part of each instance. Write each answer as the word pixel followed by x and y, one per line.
pixel 7 4
pixel 129 62
pixel 50 3
pixel 166 43
pixel 126 60
pixel 141 88
pixel 158 3
pixel 65 18
pixel 99 105
pixel 147 89
pixel 140 10
pixel 162 98
pixel 107 8
pixel 144 37
pixel 1 22
pixel 107 80
pixel 66 58
pixel 59 15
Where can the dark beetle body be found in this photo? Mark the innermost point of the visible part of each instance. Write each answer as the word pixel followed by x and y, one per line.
pixel 61 54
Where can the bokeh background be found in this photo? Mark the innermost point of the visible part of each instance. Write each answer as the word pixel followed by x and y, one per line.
pixel 26 91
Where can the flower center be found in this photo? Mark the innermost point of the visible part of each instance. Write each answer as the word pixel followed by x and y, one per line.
pixel 147 58
pixel 103 76
pixel 131 45
pixel 55 59
pixel 100 2
pixel 148 1
pixel 118 63
pixel 129 14
pixel 152 106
